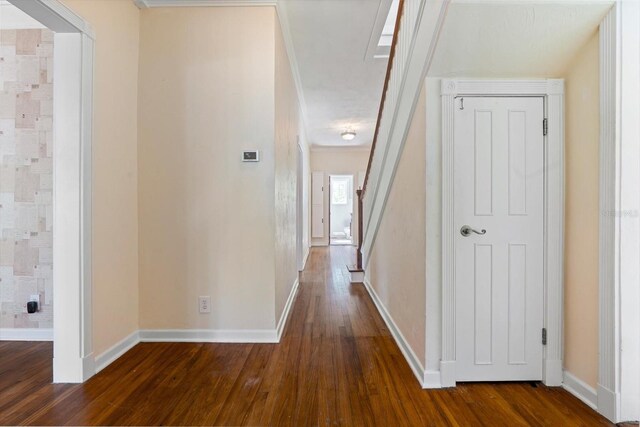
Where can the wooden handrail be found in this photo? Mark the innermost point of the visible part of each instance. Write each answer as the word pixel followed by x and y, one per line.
pixel 392 54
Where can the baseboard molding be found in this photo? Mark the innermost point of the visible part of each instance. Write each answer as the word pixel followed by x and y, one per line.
pixel 305 257
pixel 357 276
pixel 608 403
pixel 287 309
pixel 580 389
pixel 246 336
pixel 432 379
pixel 553 375
pixel 407 352
pixel 26 334
pixel 120 348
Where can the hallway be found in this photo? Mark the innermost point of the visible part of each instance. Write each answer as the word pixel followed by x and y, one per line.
pixel 337 364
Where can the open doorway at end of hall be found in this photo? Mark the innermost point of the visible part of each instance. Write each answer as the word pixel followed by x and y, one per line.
pixel 341 201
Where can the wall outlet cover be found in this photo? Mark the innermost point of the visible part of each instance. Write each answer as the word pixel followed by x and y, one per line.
pixel 35 298
pixel 204 304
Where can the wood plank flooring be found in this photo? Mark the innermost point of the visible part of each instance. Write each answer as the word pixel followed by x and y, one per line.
pixel 337 364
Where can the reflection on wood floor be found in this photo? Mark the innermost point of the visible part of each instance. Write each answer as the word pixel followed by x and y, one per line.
pixel 337 364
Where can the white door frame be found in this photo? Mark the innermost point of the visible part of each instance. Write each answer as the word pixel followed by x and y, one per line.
pixel 72 126
pixel 618 392
pixel 553 92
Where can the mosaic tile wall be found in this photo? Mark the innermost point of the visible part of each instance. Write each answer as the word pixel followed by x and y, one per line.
pixel 26 176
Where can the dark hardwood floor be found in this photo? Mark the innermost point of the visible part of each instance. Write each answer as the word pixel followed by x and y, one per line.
pixel 337 364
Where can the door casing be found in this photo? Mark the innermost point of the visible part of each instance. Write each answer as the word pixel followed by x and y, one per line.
pixel 552 90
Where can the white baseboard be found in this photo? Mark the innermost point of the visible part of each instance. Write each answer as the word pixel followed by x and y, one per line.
pixel 357 276
pixel 448 373
pixel 580 389
pixel 305 257
pixel 26 334
pixel 432 379
pixel 209 335
pixel 287 308
pixel 120 348
pixel 608 403
pixel 407 351
pixel 553 374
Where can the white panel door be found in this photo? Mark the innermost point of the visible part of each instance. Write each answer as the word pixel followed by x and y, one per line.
pixel 498 187
pixel 317 204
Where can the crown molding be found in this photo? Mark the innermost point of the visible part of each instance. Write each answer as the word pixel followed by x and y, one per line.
pixel 144 4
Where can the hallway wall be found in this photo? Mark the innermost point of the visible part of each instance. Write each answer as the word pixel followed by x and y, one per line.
pixel 115 164
pixel 396 268
pixel 289 129
pixel 582 208
pixel 208 220
pixel 339 161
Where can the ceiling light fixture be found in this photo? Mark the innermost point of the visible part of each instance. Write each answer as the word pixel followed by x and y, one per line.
pixel 348 135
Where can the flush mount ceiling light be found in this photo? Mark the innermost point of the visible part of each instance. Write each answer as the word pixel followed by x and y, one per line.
pixel 348 135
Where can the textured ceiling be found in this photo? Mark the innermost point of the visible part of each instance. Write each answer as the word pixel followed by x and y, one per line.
pixel 514 39
pixel 342 85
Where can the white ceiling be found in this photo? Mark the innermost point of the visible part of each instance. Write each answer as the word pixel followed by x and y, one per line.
pixel 13 18
pixel 340 79
pixel 491 39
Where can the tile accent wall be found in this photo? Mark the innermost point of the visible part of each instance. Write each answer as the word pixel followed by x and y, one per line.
pixel 26 176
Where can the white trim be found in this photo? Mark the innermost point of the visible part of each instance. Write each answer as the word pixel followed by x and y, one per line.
pixel 580 389
pixel 405 348
pixel 287 309
pixel 431 379
pixel 553 91
pixel 608 306
pixel 619 295
pixel 357 276
pixel 73 100
pixel 117 350
pixel 26 334
pixel 422 40
pixel 55 16
pixel 209 335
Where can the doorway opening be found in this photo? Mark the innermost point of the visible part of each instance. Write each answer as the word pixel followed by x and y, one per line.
pixel 26 197
pixel 341 209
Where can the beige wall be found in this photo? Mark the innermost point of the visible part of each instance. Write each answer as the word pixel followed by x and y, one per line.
pixel 581 214
pixel 396 265
pixel 339 161
pixel 115 157
pixel 288 130
pixel 207 219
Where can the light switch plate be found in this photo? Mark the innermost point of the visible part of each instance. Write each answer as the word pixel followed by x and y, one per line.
pixel 251 156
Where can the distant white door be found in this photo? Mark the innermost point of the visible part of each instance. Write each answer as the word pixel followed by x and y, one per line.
pixel 498 187
pixel 317 204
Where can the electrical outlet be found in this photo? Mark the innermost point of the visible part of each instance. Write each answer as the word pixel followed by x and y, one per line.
pixel 35 298
pixel 204 304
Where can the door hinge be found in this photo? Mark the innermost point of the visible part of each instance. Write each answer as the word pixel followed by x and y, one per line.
pixel 545 127
pixel 544 336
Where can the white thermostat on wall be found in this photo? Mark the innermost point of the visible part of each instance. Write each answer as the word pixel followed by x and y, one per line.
pixel 251 156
